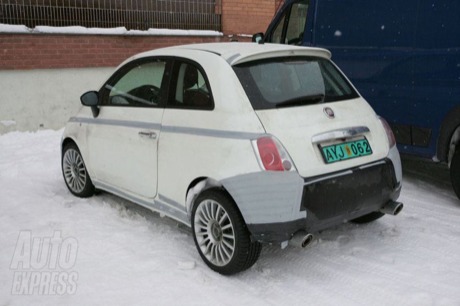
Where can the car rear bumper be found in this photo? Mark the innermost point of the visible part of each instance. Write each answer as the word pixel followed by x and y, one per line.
pixel 357 192
pixel 335 198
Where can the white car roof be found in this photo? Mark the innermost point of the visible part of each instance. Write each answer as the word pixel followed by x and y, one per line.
pixel 237 53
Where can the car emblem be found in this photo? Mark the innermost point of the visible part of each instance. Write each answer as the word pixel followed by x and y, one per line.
pixel 329 112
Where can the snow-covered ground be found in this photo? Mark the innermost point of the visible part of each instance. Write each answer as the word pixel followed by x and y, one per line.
pixel 125 255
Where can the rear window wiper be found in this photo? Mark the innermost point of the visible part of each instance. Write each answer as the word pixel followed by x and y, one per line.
pixel 304 100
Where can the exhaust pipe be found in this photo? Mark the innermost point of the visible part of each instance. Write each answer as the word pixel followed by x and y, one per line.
pixel 392 208
pixel 301 239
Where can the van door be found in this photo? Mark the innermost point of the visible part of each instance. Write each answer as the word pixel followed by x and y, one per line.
pixel 373 42
pixel 436 73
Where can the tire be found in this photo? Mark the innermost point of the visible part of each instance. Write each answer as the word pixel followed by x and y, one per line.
pixel 220 233
pixel 368 218
pixel 455 171
pixel 74 171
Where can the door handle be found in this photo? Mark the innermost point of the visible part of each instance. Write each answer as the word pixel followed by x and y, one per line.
pixel 148 134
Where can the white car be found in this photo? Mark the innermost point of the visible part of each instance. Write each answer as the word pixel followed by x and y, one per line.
pixel 244 143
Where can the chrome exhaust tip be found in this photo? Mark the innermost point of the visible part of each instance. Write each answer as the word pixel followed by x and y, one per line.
pixel 392 208
pixel 301 239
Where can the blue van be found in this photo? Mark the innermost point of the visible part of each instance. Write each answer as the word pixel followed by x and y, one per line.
pixel 403 57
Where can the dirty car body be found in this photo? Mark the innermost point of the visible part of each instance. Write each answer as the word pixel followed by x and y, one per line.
pixel 245 143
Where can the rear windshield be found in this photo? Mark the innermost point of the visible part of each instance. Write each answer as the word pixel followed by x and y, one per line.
pixel 293 81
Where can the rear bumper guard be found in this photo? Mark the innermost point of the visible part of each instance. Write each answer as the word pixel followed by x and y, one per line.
pixel 343 196
pixel 336 198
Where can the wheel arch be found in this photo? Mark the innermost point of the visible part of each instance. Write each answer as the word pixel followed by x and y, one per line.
pixel 66 141
pixel 454 144
pixel 449 135
pixel 198 186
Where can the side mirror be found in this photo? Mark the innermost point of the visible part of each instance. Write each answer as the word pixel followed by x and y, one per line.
pixel 91 98
pixel 258 38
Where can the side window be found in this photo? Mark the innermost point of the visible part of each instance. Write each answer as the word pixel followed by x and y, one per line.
pixel 296 24
pixel 190 88
pixel 277 33
pixel 291 26
pixel 140 86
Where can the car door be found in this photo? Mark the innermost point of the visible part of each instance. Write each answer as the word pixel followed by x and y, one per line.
pixel 123 140
pixel 184 140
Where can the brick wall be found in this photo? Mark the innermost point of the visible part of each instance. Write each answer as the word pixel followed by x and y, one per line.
pixel 44 51
pixel 34 51
pixel 247 16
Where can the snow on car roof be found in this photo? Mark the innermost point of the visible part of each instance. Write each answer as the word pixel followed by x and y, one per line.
pixel 237 53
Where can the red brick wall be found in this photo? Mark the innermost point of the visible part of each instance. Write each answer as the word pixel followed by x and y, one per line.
pixel 44 51
pixel 247 16
pixel 278 4
pixel 34 51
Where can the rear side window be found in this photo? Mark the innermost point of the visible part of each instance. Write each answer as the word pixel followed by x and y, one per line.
pixel 286 82
pixel 190 88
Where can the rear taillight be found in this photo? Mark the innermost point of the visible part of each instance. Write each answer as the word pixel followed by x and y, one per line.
pixel 271 154
pixel 390 135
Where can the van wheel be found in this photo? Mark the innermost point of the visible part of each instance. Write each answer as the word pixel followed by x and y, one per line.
pixel 368 218
pixel 455 171
pixel 76 176
pixel 220 233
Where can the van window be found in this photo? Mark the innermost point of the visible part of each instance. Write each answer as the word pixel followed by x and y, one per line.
pixel 293 81
pixel 277 35
pixel 291 26
pixel 296 24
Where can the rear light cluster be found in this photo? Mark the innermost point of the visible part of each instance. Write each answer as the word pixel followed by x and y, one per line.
pixel 271 154
pixel 390 135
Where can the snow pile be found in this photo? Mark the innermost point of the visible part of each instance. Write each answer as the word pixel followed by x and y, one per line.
pixel 129 256
pixel 8 122
pixel 10 28
pixel 7 28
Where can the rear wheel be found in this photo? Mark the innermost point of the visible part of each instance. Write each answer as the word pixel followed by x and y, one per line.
pixel 368 218
pixel 74 171
pixel 220 233
pixel 455 171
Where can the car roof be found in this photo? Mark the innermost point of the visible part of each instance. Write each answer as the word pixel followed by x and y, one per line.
pixel 236 53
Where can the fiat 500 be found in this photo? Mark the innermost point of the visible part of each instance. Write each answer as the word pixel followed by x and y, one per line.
pixel 245 143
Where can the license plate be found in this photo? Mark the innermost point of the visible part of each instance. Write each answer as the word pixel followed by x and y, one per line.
pixel 346 150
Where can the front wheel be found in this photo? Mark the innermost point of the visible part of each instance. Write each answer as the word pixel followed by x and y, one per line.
pixel 74 171
pixel 220 233
pixel 455 171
